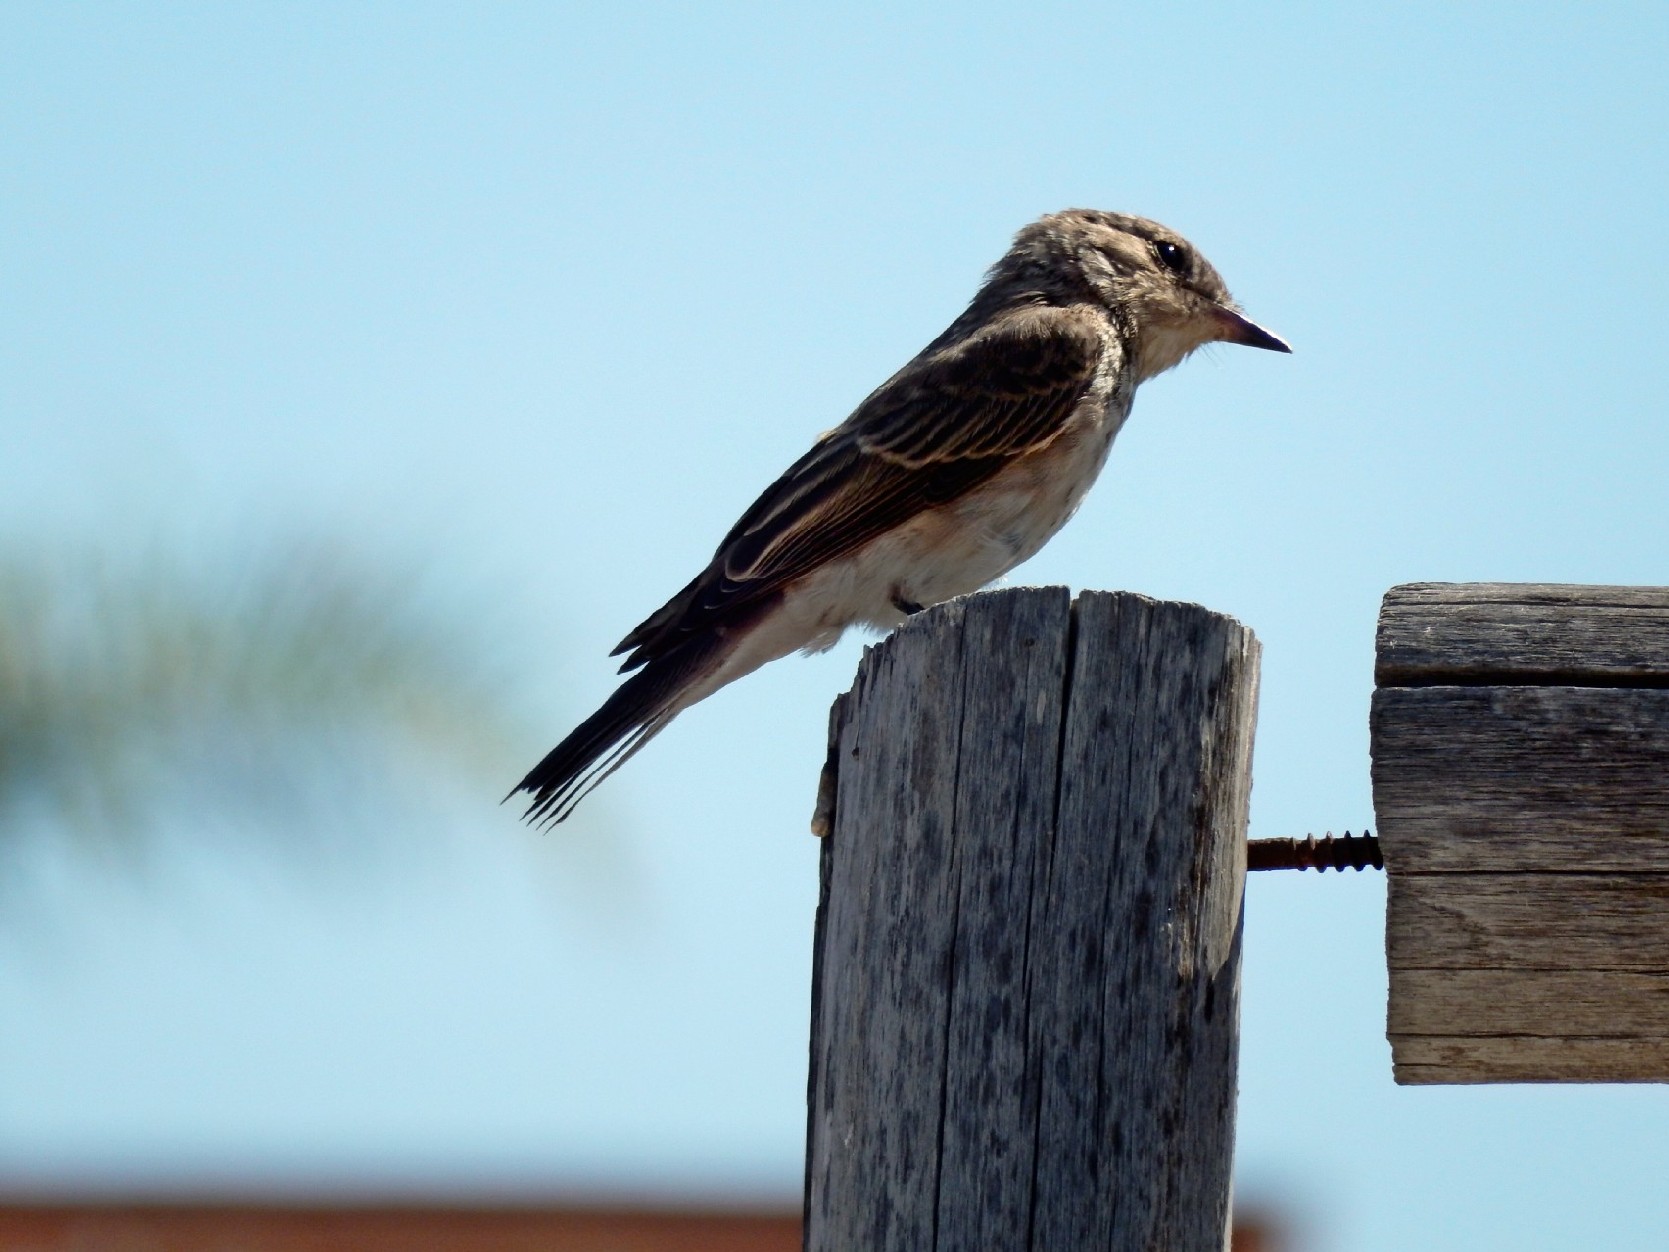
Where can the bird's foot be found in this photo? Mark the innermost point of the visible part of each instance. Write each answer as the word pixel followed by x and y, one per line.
pixel 907 607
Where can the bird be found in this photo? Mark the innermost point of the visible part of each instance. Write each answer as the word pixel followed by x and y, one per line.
pixel 948 475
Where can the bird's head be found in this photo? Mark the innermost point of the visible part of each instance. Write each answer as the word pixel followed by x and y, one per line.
pixel 1165 296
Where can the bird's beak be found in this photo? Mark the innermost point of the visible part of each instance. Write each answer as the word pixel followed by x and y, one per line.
pixel 1233 327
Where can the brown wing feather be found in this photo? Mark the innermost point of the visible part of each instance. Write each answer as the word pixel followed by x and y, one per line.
pixel 938 428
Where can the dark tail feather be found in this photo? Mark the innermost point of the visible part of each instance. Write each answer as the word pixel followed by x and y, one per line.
pixel 638 710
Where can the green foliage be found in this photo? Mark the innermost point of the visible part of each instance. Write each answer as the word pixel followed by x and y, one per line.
pixel 300 676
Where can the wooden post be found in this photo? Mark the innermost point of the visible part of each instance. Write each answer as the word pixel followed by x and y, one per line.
pixel 1025 1002
pixel 1521 781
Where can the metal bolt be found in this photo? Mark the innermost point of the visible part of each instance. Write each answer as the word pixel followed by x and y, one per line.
pixel 1345 852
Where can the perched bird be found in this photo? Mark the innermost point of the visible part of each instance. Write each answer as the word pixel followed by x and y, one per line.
pixel 953 471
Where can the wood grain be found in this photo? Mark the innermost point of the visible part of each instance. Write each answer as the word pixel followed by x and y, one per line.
pixel 1427 1059
pixel 1506 633
pixel 1139 960
pixel 1520 778
pixel 1520 743
pixel 1532 921
pixel 885 933
pixel 1547 1003
pixel 1025 1004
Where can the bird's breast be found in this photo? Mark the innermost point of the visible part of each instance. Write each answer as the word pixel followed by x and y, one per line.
pixel 961 546
pixel 1021 508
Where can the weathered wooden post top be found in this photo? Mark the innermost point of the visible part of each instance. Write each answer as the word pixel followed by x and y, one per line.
pixel 1520 739
pixel 1025 1003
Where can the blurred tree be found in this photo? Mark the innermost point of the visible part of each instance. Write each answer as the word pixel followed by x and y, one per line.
pixel 301 676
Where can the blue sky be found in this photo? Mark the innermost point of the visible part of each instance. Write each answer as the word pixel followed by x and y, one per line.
pixel 541 296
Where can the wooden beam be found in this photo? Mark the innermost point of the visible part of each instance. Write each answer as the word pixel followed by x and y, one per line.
pixel 1498 921
pixel 1548 1003
pixel 1545 633
pixel 1421 1061
pixel 1517 778
pixel 1520 741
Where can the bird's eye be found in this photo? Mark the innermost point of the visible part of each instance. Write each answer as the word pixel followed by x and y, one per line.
pixel 1173 256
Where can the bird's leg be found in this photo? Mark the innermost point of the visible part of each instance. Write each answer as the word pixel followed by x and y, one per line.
pixel 907 607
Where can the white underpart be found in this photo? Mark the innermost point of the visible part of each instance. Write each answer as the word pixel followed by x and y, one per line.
pixel 943 553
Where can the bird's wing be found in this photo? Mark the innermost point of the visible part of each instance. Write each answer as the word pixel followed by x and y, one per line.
pixel 934 431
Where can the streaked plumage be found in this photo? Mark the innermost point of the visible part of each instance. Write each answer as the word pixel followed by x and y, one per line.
pixel 949 474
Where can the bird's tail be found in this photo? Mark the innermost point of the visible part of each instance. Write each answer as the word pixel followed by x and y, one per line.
pixel 638 711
